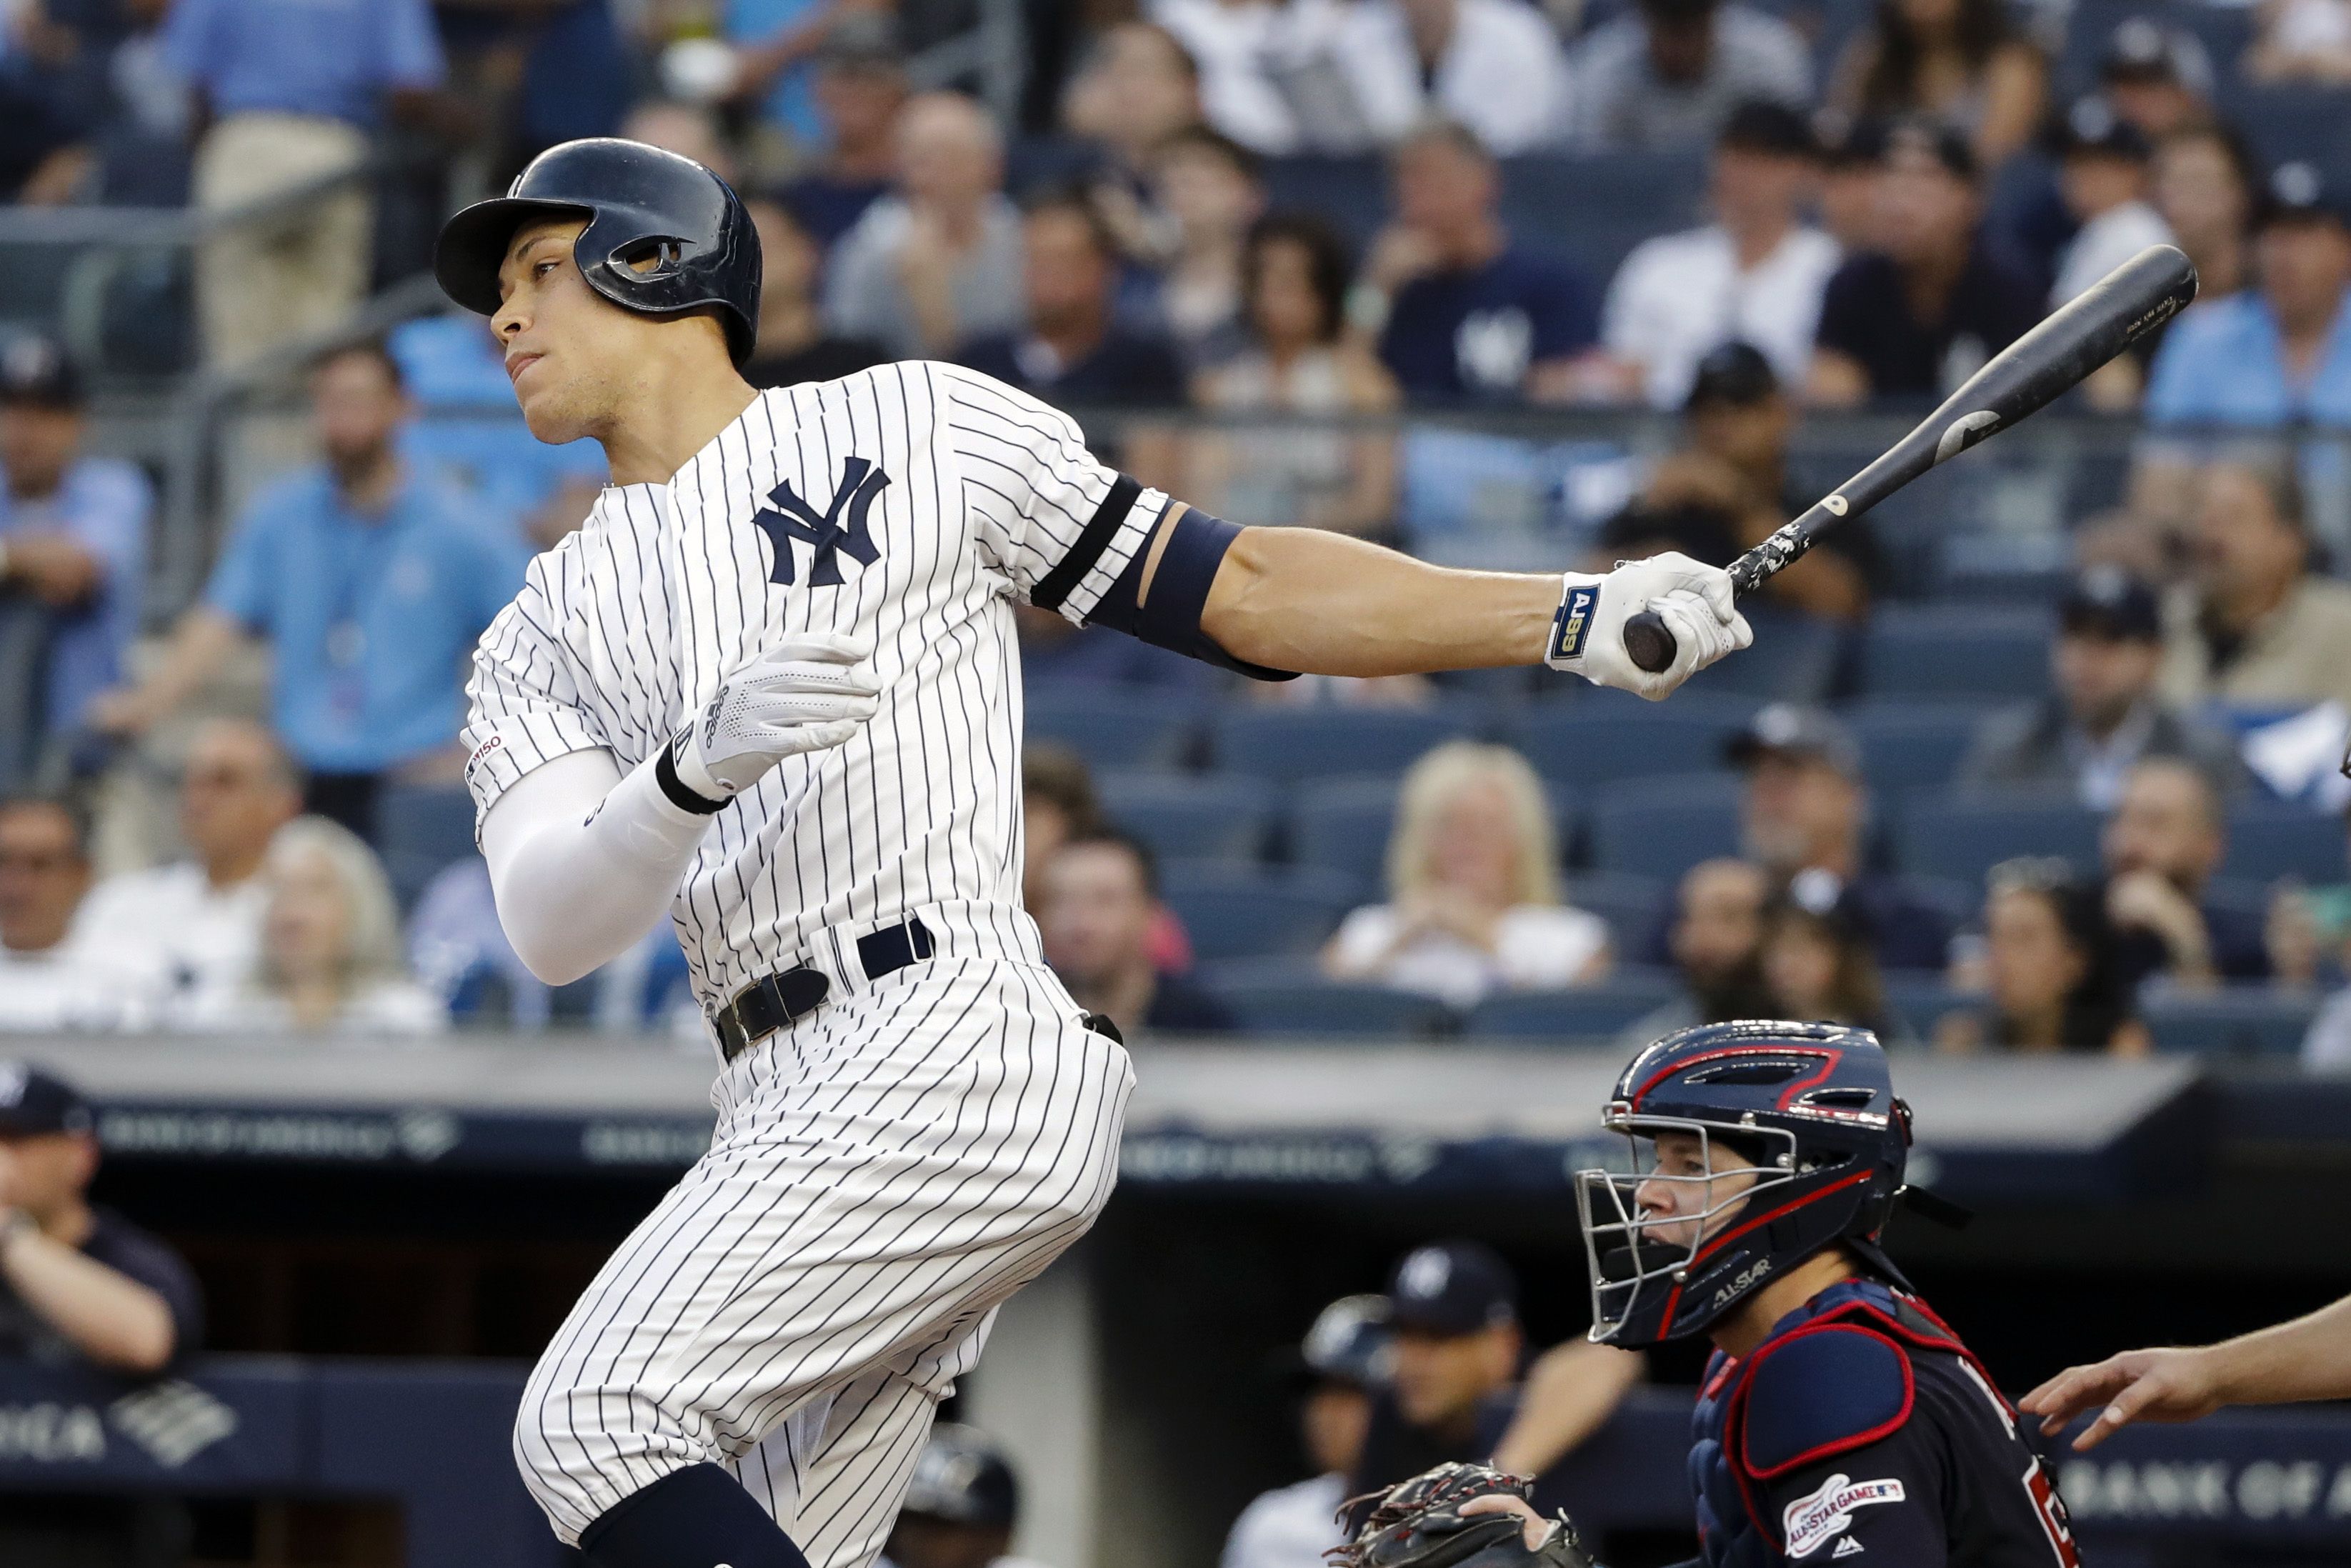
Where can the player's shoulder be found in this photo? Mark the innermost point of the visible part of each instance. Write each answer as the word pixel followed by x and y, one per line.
pixel 1823 1390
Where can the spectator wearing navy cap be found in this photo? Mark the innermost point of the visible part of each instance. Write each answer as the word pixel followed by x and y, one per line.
pixel 962 1505
pixel 2104 175
pixel 1804 816
pixel 2280 352
pixel 79 1284
pixel 1755 275
pixel 2157 77
pixel 1665 77
pixel 1343 1361
pixel 1919 314
pixel 1453 1375
pixel 2105 715
pixel 73 553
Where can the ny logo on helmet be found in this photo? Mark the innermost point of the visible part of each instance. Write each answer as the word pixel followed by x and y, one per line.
pixel 840 529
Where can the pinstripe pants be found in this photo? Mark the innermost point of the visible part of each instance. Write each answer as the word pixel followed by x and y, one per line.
pixel 883 1175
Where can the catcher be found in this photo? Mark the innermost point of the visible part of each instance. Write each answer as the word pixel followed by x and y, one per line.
pixel 1839 1417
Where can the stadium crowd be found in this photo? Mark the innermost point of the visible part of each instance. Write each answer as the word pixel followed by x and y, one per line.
pixel 2092 806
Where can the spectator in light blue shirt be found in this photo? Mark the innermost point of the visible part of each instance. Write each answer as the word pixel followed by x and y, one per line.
pixel 2279 354
pixel 73 555
pixel 370 586
pixel 291 90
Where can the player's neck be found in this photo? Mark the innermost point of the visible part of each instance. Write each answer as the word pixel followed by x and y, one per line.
pixel 668 417
pixel 1743 1330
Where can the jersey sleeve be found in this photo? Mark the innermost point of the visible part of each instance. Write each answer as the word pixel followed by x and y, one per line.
pixel 1887 1496
pixel 523 702
pixel 1053 518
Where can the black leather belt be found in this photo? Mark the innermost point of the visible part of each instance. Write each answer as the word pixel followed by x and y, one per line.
pixel 776 1001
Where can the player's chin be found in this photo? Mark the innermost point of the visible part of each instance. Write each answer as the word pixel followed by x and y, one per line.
pixel 550 415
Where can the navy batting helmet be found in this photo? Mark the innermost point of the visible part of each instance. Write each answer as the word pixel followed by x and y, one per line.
pixel 961 1478
pixel 1818 1140
pixel 665 235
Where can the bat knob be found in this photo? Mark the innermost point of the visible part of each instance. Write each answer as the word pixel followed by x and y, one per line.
pixel 1649 642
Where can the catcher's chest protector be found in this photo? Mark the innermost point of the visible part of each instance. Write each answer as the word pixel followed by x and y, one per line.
pixel 1729 1535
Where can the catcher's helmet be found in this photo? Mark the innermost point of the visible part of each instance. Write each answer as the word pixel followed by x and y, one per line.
pixel 643 206
pixel 1811 1105
pixel 960 1476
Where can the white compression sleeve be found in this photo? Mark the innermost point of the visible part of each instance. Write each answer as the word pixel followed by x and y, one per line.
pixel 583 861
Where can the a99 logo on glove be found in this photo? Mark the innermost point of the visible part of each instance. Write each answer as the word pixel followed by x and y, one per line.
pixel 1573 624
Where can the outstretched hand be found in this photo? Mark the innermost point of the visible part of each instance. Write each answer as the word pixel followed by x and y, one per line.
pixel 1533 1526
pixel 1695 601
pixel 2168 1384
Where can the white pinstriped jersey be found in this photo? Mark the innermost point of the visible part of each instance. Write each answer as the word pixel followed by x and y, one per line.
pixel 913 503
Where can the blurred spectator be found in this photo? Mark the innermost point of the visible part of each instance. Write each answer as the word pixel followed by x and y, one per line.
pixel 1101 897
pixel 1816 966
pixel 291 92
pixel 690 129
pixel 1299 360
pixel 52 975
pixel 1073 349
pixel 2161 846
pixel 1666 78
pixel 860 88
pixel 1728 486
pixel 1342 1364
pixel 1959 63
pixel 1137 90
pixel 775 43
pixel 2106 715
pixel 2105 178
pixel 1803 817
pixel 1211 190
pixel 1467 314
pixel 330 951
pixel 2157 77
pixel 1923 312
pixel 73 552
pixel 2280 352
pixel 962 1505
pixel 938 261
pixel 2204 189
pixel 1473 888
pixel 2302 41
pixel 79 1284
pixel 194 926
pixel 2255 627
pixel 1715 938
pixel 1268 73
pixel 2049 971
pixel 1848 194
pixel 371 585
pixel 1057 804
pixel 1755 275
pixel 1494 65
pixel 92 108
pixel 1453 1368
pixel 793 345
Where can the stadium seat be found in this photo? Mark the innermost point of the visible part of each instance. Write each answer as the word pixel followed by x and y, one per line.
pixel 1599 737
pixel 419 829
pixel 1238 912
pixel 1342 825
pixel 1329 1007
pixel 1963 836
pixel 1191 816
pixel 1956 653
pixel 2271 841
pixel 1587 1014
pixel 1794 659
pixel 1661 827
pixel 1288 743
pixel 2238 1020
pixel 1115 727
pixel 1919 1002
pixel 1630 904
pixel 1911 746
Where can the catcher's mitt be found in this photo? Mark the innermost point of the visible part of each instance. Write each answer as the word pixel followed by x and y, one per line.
pixel 1418 1525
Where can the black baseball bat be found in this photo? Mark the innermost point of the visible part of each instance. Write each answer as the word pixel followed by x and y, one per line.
pixel 2095 325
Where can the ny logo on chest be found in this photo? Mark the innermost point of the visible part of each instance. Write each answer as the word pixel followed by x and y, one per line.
pixel 839 530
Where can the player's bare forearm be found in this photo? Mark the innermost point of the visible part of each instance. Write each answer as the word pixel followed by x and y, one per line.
pixel 1320 603
pixel 2308 1358
pixel 1569 1393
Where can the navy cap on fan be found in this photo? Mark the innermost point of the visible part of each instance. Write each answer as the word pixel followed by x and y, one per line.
pixel 1734 375
pixel 2301 193
pixel 34 369
pixel 34 1102
pixel 963 1477
pixel 1452 1288
pixel 2092 129
pixel 1349 1342
pixel 1792 730
pixel 2142 49
pixel 2107 601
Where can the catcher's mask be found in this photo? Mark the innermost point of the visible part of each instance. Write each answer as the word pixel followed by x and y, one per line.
pixel 1784 1139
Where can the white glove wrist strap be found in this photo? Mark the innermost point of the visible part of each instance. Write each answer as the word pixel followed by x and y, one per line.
pixel 1571 625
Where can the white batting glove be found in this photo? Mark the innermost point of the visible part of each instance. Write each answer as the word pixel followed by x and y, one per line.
pixel 1694 600
pixel 806 693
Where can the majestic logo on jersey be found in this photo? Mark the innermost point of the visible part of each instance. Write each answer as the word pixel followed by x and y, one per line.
pixel 1817 1518
pixel 840 529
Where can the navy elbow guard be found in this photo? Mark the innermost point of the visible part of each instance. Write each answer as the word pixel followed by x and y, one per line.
pixel 1170 616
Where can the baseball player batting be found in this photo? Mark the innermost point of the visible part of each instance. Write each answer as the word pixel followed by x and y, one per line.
pixel 772 687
